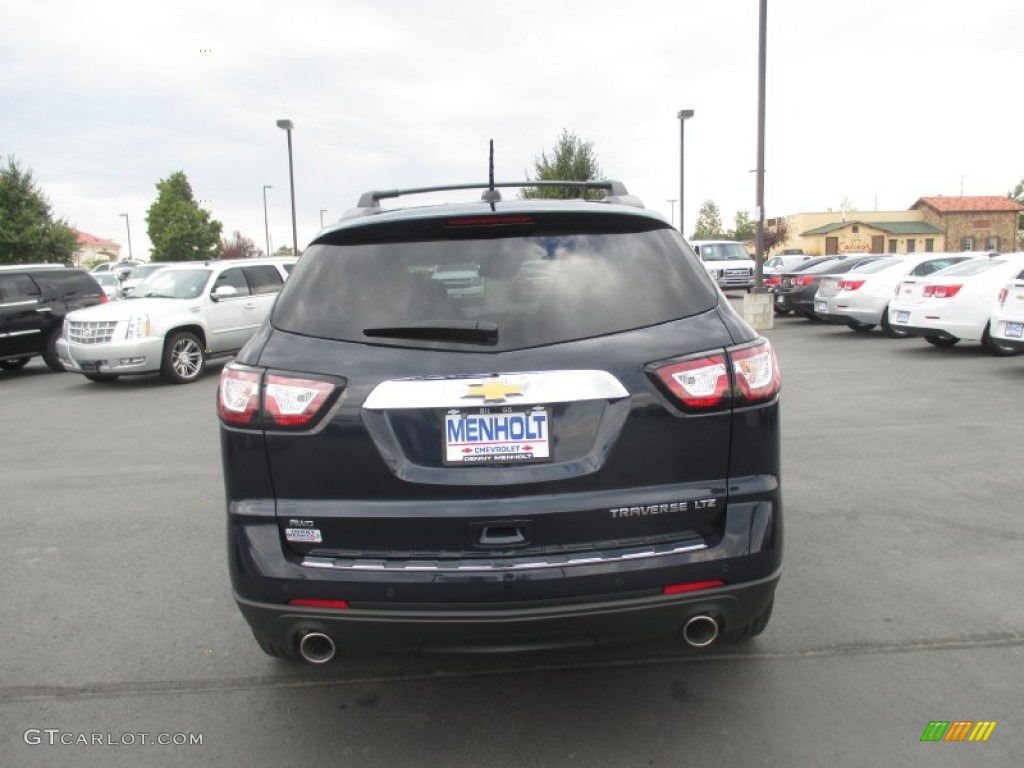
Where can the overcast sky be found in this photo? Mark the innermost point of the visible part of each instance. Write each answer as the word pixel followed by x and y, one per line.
pixel 876 101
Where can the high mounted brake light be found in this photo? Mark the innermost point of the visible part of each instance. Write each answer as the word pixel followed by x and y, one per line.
pixel 490 221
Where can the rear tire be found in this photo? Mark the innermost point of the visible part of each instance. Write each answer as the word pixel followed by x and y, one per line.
pixel 50 351
pixel 853 325
pixel 753 629
pixel 994 347
pixel 942 342
pixel 184 360
pixel 891 330
pixel 782 311
pixel 15 364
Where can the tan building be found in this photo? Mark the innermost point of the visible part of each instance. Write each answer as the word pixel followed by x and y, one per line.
pixel 931 224
pixel 973 223
pixel 90 249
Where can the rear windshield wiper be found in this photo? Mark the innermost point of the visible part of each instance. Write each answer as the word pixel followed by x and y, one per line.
pixel 464 331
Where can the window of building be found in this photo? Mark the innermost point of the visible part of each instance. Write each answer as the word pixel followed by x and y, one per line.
pixel 992 243
pixel 892 245
pixel 966 243
pixel 911 245
pixel 855 229
pixel 929 244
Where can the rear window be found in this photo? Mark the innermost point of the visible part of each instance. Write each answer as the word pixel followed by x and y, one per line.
pixel 68 283
pixel 972 267
pixel 878 266
pixel 538 285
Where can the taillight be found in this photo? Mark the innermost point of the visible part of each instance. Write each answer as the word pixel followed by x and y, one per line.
pixel 803 279
pixel 772 280
pixel 238 397
pixel 757 372
pixel 284 401
pixel 942 291
pixel 740 375
pixel 104 298
pixel 698 383
pixel 850 285
pixel 1003 293
pixel 293 402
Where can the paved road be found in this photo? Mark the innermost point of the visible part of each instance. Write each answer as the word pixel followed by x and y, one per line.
pixel 900 603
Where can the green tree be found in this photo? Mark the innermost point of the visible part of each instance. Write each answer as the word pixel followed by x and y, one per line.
pixel 28 232
pixel 745 230
pixel 1017 195
pixel 178 228
pixel 238 246
pixel 775 236
pixel 709 223
pixel 284 250
pixel 572 159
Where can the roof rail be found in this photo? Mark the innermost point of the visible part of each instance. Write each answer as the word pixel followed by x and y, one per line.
pixel 372 199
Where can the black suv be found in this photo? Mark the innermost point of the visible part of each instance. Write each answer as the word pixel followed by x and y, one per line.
pixel 501 425
pixel 34 298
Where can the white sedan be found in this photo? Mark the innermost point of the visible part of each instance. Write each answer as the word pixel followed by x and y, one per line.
pixel 1006 324
pixel 860 298
pixel 955 303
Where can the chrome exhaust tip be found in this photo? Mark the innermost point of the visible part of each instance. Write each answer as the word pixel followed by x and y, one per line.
pixel 700 631
pixel 317 648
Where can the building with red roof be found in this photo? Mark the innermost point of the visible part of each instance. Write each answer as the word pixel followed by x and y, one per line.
pixel 90 249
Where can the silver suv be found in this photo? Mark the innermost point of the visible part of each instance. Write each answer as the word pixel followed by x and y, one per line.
pixel 174 321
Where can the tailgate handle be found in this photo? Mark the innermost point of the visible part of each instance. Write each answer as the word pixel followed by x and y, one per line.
pixel 502 535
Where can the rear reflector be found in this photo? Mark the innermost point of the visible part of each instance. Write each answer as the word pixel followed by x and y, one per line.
pixel 308 602
pixel 691 586
pixel 1003 293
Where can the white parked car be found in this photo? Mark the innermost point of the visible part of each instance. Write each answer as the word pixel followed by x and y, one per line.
pixel 784 262
pixel 726 261
pixel 110 283
pixel 1006 324
pixel 955 303
pixel 140 273
pixel 860 298
pixel 175 321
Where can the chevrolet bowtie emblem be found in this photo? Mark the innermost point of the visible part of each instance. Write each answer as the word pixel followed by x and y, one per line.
pixel 494 391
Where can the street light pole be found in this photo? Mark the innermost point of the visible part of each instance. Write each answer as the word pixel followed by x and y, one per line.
pixel 322 212
pixel 266 221
pixel 671 211
pixel 287 125
pixel 762 58
pixel 684 115
pixel 129 226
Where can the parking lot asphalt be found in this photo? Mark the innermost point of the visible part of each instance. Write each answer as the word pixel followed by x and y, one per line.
pixel 899 603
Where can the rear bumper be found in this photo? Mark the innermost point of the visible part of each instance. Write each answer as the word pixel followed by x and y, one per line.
pixel 586 604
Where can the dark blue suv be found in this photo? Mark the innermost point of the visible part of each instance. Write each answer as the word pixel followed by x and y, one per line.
pixel 501 425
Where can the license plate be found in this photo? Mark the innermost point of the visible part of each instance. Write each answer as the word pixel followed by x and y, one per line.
pixel 1014 330
pixel 903 317
pixel 497 435
pixel 821 306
